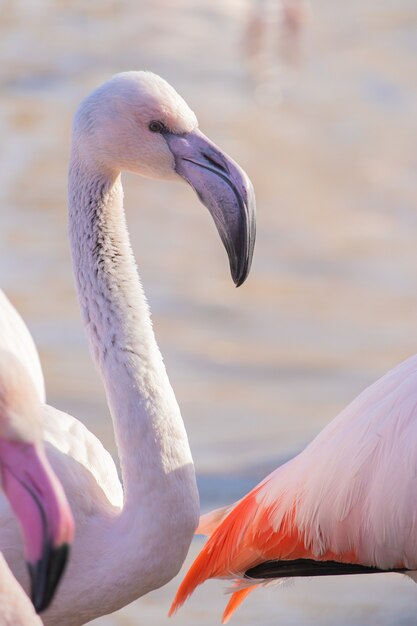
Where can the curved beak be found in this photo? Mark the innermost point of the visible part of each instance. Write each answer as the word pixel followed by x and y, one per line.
pixel 39 503
pixel 225 189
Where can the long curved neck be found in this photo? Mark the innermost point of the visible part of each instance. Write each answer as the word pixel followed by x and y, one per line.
pixel 149 431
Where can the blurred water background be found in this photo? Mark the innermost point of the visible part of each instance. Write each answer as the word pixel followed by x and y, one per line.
pixel 321 111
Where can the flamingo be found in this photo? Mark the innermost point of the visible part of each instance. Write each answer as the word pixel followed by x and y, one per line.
pixel 132 536
pixel 34 494
pixel 344 505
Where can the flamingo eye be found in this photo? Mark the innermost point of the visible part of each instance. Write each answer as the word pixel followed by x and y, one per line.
pixel 157 127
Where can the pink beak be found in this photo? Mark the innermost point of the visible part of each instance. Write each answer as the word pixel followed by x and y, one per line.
pixel 40 505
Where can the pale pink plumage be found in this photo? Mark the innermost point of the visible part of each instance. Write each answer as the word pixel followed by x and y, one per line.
pixel 347 498
pixel 15 607
pixel 132 534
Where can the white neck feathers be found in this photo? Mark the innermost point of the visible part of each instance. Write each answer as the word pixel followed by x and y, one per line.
pixel 149 431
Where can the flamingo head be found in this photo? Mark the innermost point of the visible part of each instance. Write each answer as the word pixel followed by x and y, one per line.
pixel 32 489
pixel 137 122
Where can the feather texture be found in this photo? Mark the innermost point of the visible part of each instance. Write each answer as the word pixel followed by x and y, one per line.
pixel 345 499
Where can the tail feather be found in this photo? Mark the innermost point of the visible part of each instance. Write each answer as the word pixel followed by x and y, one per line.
pixel 235 601
pixel 250 533
pixel 243 539
pixel 256 531
pixel 217 558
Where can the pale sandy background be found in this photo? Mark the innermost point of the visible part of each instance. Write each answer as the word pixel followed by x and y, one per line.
pixel 330 144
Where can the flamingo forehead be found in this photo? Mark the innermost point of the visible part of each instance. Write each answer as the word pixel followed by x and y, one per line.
pixel 153 98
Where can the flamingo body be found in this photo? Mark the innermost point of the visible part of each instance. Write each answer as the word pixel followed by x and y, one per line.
pixel 344 505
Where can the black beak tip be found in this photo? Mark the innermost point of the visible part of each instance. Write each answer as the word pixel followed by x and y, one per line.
pixel 241 265
pixel 241 262
pixel 39 603
pixel 45 575
pixel 240 279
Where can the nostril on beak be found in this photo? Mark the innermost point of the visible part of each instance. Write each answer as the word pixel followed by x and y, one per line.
pixel 216 160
